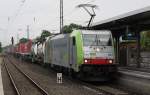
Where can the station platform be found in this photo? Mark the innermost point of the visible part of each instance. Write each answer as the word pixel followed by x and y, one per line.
pixel 135 80
pixel 1 84
pixel 139 73
pixel 142 69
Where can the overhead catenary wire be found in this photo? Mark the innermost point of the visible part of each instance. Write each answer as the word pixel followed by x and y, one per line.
pixel 69 14
pixel 48 24
pixel 13 18
pixel 90 1
pixel 19 10
pixel 23 2
pixel 21 5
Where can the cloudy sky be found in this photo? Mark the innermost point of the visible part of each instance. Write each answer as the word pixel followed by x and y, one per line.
pixel 15 15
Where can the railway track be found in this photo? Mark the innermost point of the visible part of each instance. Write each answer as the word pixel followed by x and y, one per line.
pixel 28 87
pixel 99 89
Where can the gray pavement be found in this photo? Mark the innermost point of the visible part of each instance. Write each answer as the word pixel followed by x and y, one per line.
pixel 136 81
pixel 139 74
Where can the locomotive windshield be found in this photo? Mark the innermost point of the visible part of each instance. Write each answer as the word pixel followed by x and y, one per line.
pixel 97 40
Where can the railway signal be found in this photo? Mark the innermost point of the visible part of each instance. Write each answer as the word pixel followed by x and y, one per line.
pixel 12 40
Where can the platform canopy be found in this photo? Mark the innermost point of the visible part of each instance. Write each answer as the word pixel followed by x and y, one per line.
pixel 138 19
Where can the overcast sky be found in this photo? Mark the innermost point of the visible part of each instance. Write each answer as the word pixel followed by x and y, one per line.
pixel 15 15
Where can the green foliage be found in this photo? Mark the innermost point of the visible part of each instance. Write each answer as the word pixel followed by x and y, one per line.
pixel 42 37
pixel 23 40
pixel 145 40
pixel 45 33
pixel 69 28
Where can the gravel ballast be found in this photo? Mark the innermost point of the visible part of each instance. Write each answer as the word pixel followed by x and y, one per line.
pixel 47 80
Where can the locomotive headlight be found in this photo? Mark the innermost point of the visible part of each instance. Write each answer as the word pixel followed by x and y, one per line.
pixel 110 61
pixel 85 61
pixel 97 49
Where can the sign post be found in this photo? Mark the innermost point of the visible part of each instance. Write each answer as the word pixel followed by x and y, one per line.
pixel 59 77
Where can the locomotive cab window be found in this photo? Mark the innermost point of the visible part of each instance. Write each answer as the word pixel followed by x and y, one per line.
pixel 109 43
pixel 97 40
pixel 74 41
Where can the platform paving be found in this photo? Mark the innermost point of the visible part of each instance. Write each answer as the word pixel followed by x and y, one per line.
pixel 137 81
pixel 1 84
pixel 135 73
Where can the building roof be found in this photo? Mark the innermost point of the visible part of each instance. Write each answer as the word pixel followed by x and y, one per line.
pixel 140 17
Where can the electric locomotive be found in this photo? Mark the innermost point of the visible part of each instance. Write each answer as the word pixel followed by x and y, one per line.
pixel 85 53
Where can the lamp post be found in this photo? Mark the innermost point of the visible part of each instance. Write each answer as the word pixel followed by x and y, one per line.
pixel 28 35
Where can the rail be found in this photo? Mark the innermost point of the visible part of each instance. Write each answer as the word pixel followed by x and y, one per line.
pixel 28 77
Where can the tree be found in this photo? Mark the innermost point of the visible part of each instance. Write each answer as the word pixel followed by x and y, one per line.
pixel 23 40
pixel 69 28
pixel 45 33
pixel 42 37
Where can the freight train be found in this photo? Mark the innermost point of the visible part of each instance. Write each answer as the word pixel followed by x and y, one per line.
pixel 82 53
